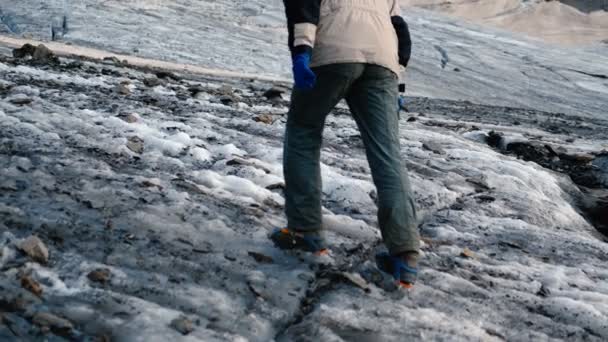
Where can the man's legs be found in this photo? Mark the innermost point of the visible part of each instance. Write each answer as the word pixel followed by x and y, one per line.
pixel 373 102
pixel 302 145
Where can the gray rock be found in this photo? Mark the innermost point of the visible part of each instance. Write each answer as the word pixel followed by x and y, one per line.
pixel 43 54
pixel 20 99
pixel 183 325
pixel 35 249
pixel 100 275
pixel 123 89
pixel 46 319
pixel 433 147
pixel 152 82
pixel 136 144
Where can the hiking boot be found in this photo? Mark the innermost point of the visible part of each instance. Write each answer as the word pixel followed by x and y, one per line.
pixel 405 276
pixel 311 242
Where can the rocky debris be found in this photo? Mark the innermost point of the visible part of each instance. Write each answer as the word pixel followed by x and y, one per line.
pixel 167 75
pixel 31 285
pixel 58 325
pixel 183 325
pixel 123 88
pixel 494 139
pixel 241 161
pixel 196 90
pixel 467 253
pixel 35 249
pixel 150 184
pixel 261 258
pixel 480 183
pixel 136 144
pixel 357 280
pixel 100 275
pixel 43 54
pixel 226 90
pixel 275 93
pixel 113 60
pixel 20 99
pixel 585 169
pixel 264 118
pixel 203 248
pixel 226 100
pixel 39 54
pixel 485 199
pixel 433 147
pixel 544 291
pixel 152 82
pixel 130 118
pixel 24 51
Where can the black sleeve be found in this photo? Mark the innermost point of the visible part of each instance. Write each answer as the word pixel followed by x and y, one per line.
pixel 301 12
pixel 405 40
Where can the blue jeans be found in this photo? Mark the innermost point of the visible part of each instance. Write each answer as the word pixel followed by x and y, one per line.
pixel 371 93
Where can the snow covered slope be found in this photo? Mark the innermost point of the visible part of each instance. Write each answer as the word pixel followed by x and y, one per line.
pixel 155 196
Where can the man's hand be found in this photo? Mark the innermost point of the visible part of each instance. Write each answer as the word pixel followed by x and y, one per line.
pixel 303 76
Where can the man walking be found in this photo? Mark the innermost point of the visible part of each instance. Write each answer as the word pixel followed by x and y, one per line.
pixel 348 49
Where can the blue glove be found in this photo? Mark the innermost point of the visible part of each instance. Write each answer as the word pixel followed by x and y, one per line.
pixel 401 103
pixel 304 78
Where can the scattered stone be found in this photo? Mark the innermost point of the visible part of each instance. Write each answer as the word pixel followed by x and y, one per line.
pixel 241 161
pixel 485 199
pixel 183 325
pixel 494 139
pixel 196 89
pixel 136 144
pixel 228 255
pixel 480 183
pixel 167 74
pixel 130 118
pixel 226 99
pixel 39 54
pixel 152 82
pixel 24 51
pixel 509 244
pixel 264 118
pixel 226 90
pixel 31 285
pixel 20 100
pixel 261 258
pixel 543 291
pixel 275 93
pixel 35 249
pixel 276 186
pixel 112 60
pixel 356 280
pixel 150 184
pixel 100 275
pixel 467 253
pixel 433 147
pixel 55 323
pixel 411 119
pixel 123 89
pixel 457 69
pixel 204 248
pixel 42 54
pixel 579 157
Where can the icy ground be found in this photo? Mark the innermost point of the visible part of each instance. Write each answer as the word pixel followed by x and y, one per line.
pixel 451 59
pixel 174 187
